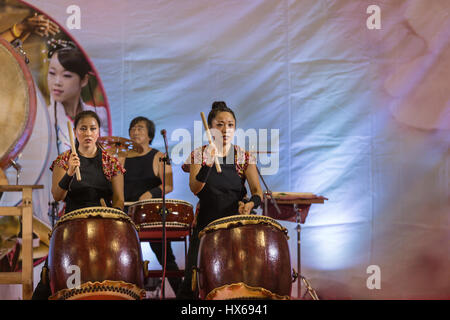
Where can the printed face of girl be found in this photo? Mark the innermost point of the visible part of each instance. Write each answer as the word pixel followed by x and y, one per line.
pixel 87 132
pixel 64 85
pixel 139 133
pixel 223 126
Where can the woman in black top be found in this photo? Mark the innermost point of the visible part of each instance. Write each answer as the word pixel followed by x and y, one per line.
pixel 101 178
pixel 220 194
pixel 101 174
pixel 144 170
pixel 143 181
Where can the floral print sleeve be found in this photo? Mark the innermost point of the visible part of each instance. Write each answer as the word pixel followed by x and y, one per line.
pixel 196 157
pixel 111 166
pixel 243 159
pixel 62 161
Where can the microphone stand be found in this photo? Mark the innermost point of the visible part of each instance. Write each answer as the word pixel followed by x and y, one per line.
pixel 166 161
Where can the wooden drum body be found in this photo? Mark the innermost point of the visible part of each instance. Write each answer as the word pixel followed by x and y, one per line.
pixel 244 256
pixel 100 247
pixel 147 213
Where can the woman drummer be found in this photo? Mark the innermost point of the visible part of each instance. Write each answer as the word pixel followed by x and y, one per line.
pixel 220 194
pixel 143 181
pixel 101 174
pixel 101 179
pixel 68 74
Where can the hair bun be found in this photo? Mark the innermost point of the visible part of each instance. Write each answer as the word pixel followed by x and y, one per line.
pixel 219 105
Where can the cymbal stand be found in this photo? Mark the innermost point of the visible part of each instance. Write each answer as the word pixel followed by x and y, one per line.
pixel 267 193
pixel 309 289
pixel 300 278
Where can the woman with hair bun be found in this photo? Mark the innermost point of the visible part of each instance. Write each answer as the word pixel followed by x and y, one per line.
pixel 220 194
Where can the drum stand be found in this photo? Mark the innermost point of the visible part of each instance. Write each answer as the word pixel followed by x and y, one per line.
pixel 268 193
pixel 297 275
pixel 300 278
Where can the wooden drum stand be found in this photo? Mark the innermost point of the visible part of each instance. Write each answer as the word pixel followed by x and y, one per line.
pixel 294 207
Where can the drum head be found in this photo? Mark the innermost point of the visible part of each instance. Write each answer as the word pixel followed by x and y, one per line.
pixel 241 220
pixel 159 201
pixel 17 103
pixel 92 212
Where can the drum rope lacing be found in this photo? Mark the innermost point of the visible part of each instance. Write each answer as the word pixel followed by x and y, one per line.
pixel 173 224
pixel 239 220
pixel 102 212
pixel 159 201
pixel 97 287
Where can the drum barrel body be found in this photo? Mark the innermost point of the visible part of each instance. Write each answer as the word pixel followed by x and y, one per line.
pixel 102 249
pixel 256 255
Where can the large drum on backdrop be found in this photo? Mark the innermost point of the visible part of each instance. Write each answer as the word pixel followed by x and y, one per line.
pixel 244 257
pixel 147 213
pixel 101 247
pixel 17 101
pixel 34 160
pixel 26 131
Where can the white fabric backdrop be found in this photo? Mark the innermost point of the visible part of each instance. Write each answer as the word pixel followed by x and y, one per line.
pixel 363 116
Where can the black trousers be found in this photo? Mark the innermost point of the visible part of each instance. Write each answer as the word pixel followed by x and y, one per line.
pixel 170 262
pixel 185 292
pixel 43 291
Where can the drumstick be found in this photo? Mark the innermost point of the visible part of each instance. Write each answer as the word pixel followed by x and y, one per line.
pixel 205 124
pixel 74 151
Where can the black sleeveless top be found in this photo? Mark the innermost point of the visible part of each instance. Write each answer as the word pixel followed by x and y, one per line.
pixel 92 187
pixel 139 176
pixel 220 196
